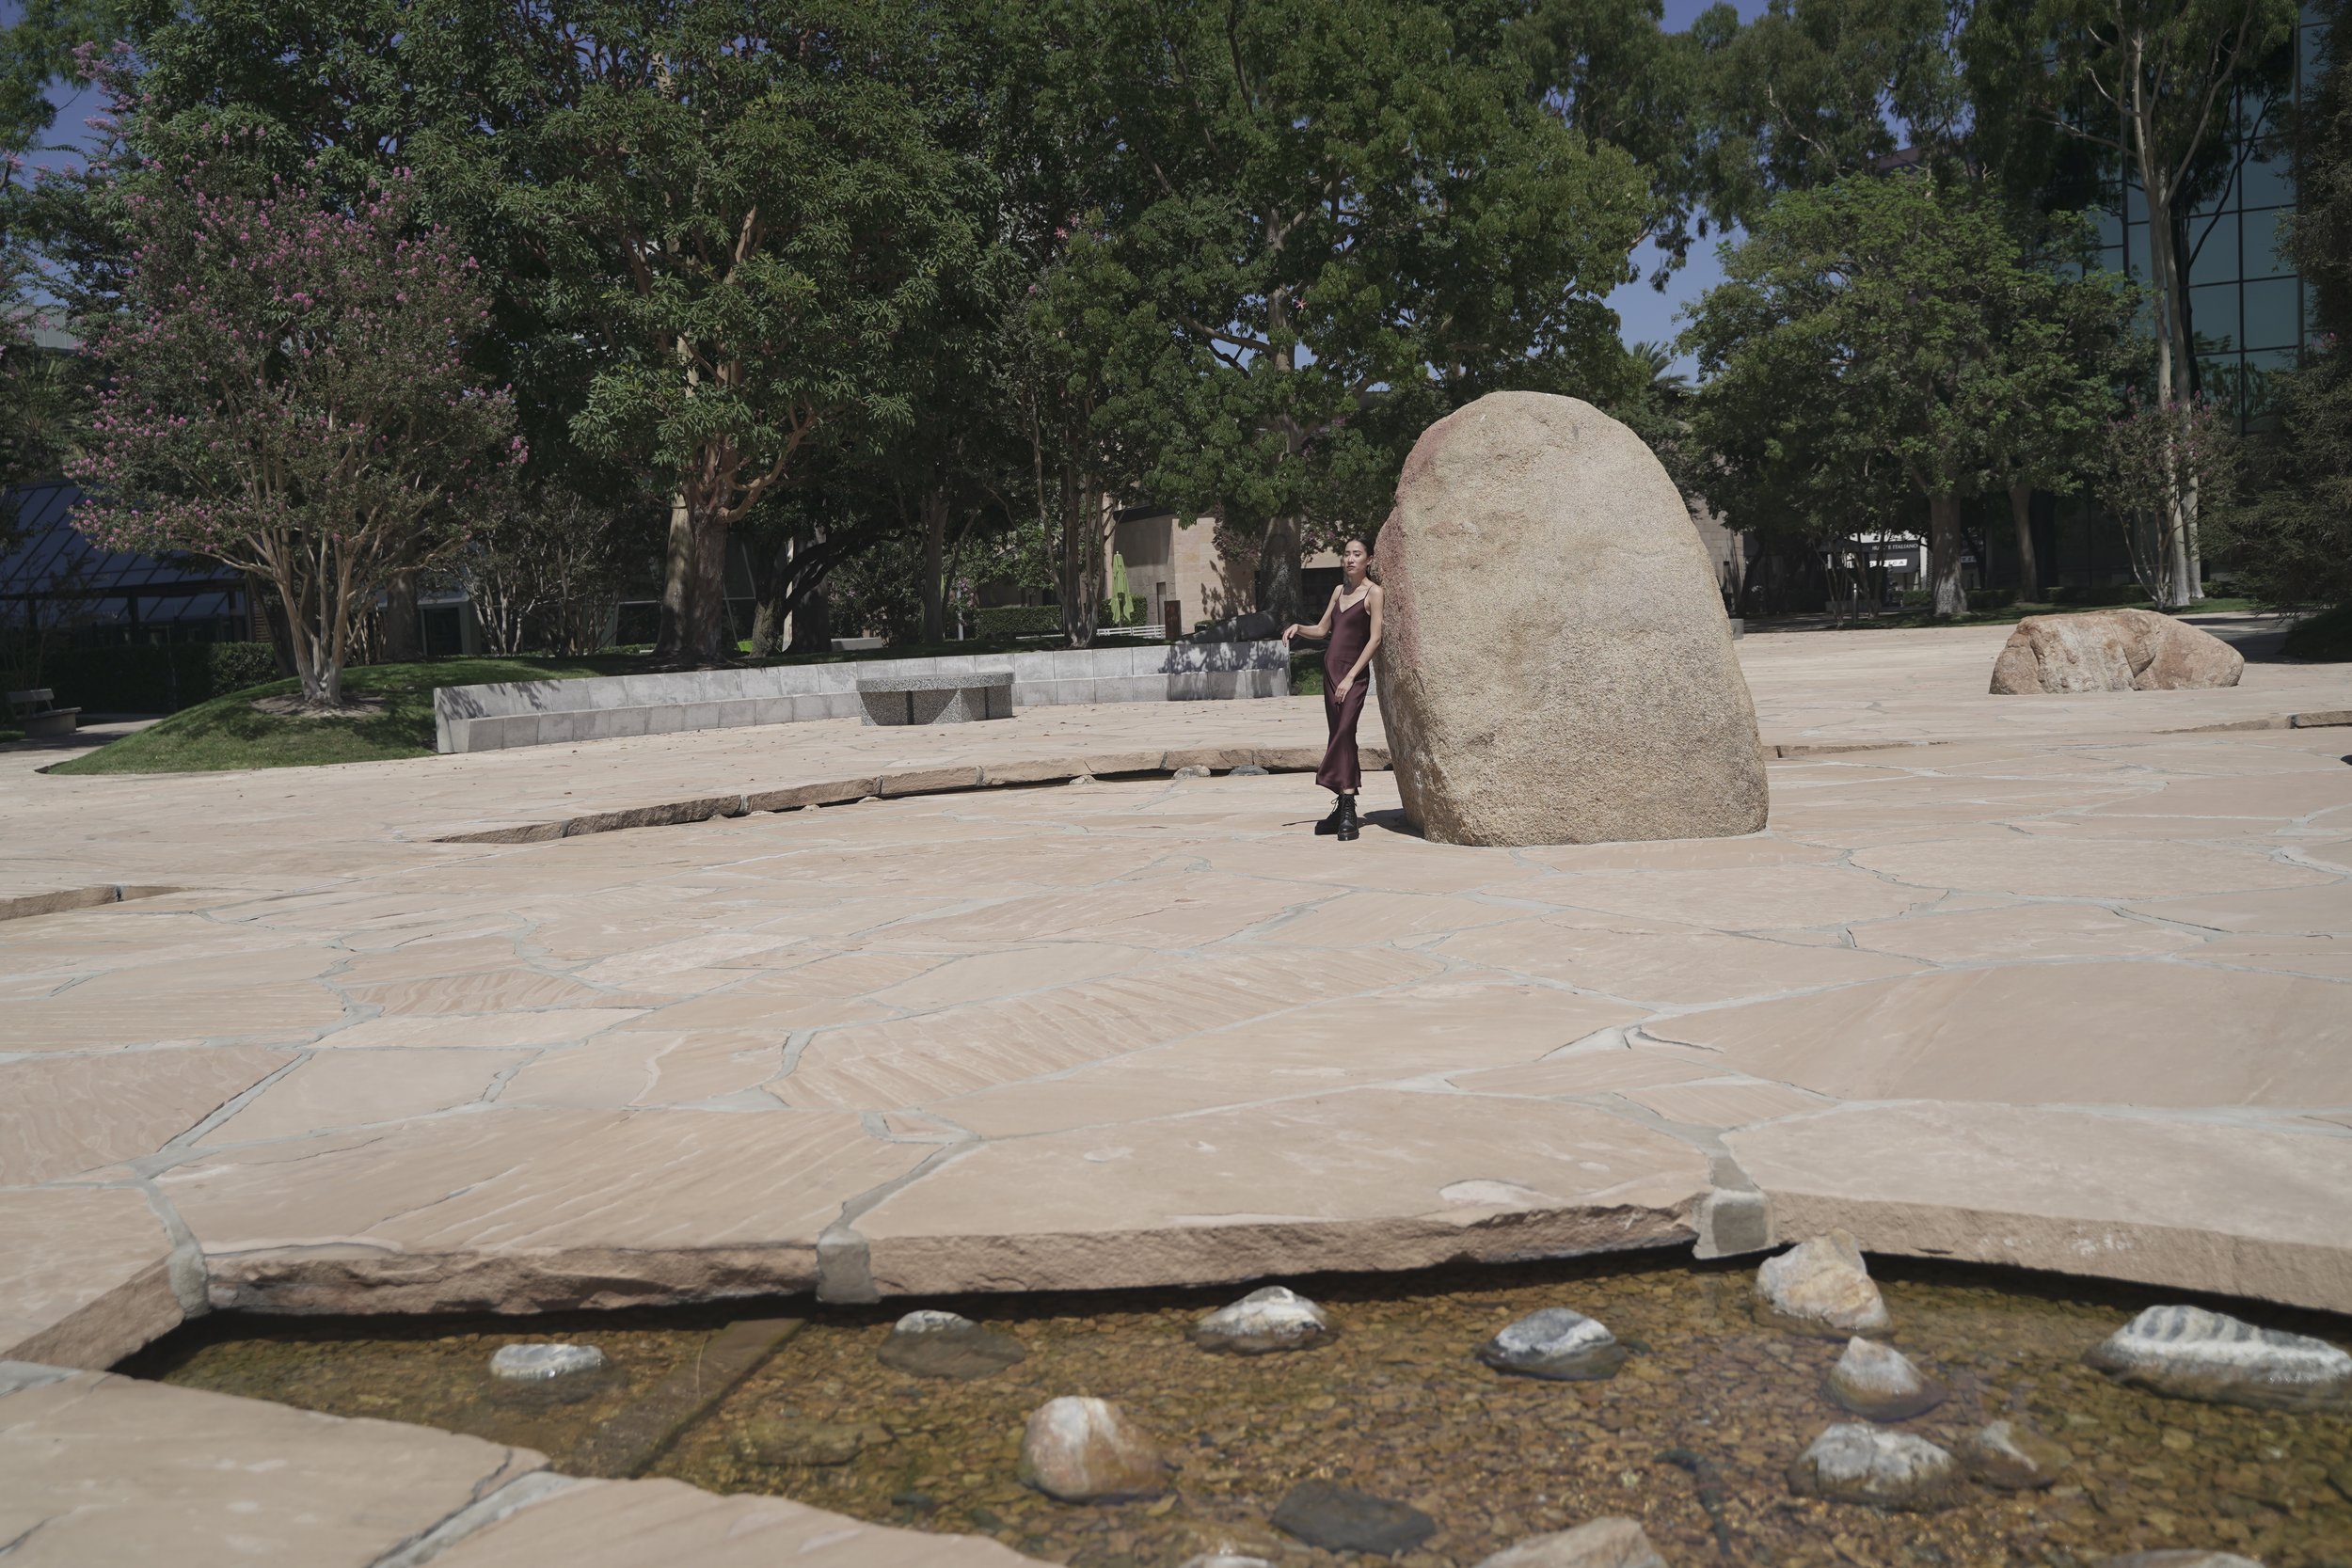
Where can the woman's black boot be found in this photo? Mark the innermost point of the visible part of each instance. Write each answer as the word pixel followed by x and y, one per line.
pixel 1330 824
pixel 1347 817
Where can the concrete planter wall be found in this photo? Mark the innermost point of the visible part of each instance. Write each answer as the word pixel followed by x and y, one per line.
pixel 546 713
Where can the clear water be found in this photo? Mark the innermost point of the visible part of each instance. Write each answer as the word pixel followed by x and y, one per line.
pixel 1397 1406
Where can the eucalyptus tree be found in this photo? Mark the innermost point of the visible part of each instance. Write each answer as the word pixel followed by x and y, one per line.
pixel 1898 324
pixel 2151 84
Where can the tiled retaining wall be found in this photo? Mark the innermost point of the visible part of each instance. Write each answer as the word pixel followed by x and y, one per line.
pixel 543 713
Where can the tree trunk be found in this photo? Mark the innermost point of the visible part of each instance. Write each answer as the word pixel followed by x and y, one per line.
pixel 934 564
pixel 1944 556
pixel 672 641
pixel 403 637
pixel 2174 372
pixel 707 632
pixel 1083 511
pixel 812 622
pixel 1280 585
pixel 2029 569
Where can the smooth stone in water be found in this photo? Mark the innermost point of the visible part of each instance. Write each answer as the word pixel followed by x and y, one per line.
pixel 1275 1318
pixel 1558 1344
pixel 1878 1382
pixel 944 1344
pixel 790 1440
pixel 1855 1464
pixel 1082 1449
pixel 545 1363
pixel 1822 1287
pixel 2013 1458
pixel 1341 1519
pixel 1224 1559
pixel 1597 1544
pixel 2177 1558
pixel 2188 1352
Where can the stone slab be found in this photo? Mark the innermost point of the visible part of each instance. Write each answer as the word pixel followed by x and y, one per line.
pixel 98 1470
pixel 2188 1205
pixel 84 1276
pixel 631 1524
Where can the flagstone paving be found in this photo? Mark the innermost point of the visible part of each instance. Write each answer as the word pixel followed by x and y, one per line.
pixel 2062 990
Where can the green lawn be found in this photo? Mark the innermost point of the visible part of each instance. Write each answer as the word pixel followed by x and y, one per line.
pixel 228 731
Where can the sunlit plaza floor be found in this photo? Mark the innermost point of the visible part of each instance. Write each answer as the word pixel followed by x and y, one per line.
pixel 2058 982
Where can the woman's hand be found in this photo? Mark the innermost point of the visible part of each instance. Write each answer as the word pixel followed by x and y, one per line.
pixel 1290 632
pixel 1346 681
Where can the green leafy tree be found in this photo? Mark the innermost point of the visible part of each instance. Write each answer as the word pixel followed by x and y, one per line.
pixel 2149 85
pixel 289 396
pixel 1887 326
pixel 1328 222
pixel 742 207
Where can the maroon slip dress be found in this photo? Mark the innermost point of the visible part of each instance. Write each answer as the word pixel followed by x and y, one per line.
pixel 1351 628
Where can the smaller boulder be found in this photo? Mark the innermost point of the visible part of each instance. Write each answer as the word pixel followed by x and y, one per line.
pixel 2013 1458
pixel 1558 1344
pixel 2112 650
pixel 2188 1352
pixel 946 1344
pixel 790 1440
pixel 1855 1464
pixel 1822 1287
pixel 1274 1318
pixel 1878 1382
pixel 1341 1519
pixel 1080 1449
pixel 1597 1544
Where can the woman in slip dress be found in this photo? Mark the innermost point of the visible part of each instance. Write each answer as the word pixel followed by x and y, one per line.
pixel 1351 621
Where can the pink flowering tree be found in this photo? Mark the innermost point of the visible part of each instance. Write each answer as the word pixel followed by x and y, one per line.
pixel 289 395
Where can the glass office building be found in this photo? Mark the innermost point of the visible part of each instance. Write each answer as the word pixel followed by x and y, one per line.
pixel 2246 308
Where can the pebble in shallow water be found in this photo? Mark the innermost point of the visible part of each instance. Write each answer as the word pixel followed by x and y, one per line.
pixel 1341 1519
pixel 1878 1382
pixel 2188 1352
pixel 544 1363
pixel 1558 1344
pixel 1080 1449
pixel 2013 1458
pixel 1276 1318
pixel 1599 1543
pixel 1855 1464
pixel 792 1440
pixel 2177 1559
pixel 1821 1287
pixel 947 1344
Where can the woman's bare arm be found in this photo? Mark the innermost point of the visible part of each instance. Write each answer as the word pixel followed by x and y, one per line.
pixel 1372 644
pixel 1321 628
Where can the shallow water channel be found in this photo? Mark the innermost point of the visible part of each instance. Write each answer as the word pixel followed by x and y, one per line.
pixel 1395 1406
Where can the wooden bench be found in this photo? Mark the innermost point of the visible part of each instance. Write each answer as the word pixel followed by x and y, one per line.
pixel 936 699
pixel 41 722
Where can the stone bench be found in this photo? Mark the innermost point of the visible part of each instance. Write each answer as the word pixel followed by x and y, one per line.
pixel 940 698
pixel 41 722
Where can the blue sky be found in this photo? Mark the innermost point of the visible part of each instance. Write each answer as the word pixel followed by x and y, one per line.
pixel 1646 314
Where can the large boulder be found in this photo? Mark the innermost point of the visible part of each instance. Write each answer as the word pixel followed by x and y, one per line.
pixel 2112 650
pixel 1556 666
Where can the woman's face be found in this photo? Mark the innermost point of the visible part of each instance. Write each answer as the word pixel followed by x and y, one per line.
pixel 1353 558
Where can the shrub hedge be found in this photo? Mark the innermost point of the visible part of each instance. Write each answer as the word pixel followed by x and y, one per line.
pixel 2325 636
pixel 1017 620
pixel 151 679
